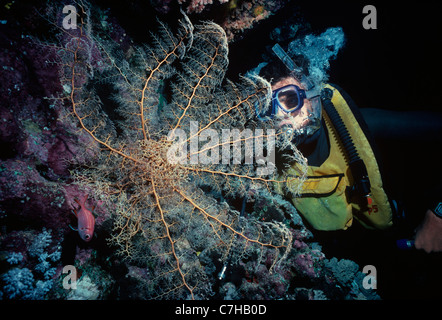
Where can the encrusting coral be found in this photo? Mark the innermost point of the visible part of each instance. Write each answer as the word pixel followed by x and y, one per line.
pixel 234 16
pixel 198 5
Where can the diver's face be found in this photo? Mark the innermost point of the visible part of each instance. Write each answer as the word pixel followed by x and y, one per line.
pixel 298 118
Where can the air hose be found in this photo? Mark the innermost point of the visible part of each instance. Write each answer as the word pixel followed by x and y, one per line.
pixel 361 186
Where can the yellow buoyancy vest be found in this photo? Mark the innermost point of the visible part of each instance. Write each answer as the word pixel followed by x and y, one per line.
pixel 324 201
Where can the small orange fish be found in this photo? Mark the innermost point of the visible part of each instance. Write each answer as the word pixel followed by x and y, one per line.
pixel 86 220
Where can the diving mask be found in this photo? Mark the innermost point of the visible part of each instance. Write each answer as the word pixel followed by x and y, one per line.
pixel 291 98
pixel 288 98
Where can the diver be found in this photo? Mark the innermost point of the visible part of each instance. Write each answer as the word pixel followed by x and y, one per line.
pixel 344 182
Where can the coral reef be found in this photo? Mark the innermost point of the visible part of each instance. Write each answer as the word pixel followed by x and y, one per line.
pixel 246 14
pixel 198 5
pixel 41 257
pixel 234 16
pixel 87 115
pixel 347 278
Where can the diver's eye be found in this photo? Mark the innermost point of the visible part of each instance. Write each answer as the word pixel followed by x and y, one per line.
pixel 288 99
